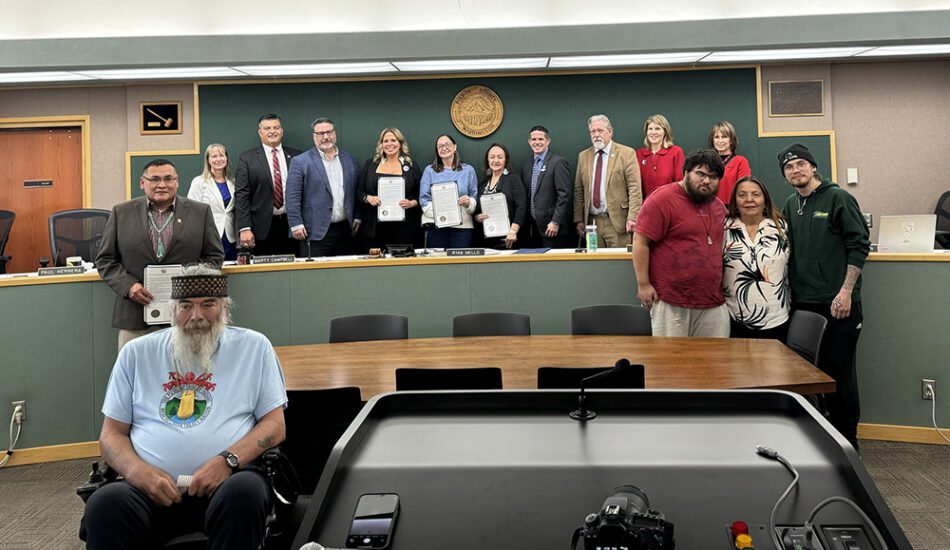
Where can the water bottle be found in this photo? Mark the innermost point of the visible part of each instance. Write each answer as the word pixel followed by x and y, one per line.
pixel 591 238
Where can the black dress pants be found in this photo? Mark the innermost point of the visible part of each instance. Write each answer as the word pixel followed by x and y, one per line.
pixel 119 516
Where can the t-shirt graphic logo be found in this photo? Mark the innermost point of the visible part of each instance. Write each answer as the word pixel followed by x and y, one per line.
pixel 189 395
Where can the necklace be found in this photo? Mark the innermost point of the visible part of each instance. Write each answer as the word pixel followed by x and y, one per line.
pixel 702 217
pixel 801 204
pixel 160 252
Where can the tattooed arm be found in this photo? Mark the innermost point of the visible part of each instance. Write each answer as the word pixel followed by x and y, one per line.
pixel 268 432
pixel 841 305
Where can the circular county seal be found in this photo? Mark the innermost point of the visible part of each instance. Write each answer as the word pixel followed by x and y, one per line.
pixel 477 111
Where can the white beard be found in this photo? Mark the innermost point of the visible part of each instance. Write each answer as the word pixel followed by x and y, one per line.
pixel 194 344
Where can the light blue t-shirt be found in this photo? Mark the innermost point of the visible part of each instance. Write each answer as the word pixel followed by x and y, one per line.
pixel 144 391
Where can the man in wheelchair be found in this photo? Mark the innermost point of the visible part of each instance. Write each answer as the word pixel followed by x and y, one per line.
pixel 189 410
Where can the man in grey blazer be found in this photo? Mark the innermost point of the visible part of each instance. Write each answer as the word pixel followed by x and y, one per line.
pixel 550 194
pixel 159 228
pixel 321 196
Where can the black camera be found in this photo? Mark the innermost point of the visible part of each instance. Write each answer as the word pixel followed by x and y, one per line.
pixel 626 522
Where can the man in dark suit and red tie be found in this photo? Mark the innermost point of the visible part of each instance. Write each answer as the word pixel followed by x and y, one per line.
pixel 259 190
pixel 550 195
pixel 321 196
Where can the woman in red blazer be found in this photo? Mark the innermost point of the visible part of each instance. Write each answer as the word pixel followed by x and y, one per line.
pixel 661 162
pixel 723 139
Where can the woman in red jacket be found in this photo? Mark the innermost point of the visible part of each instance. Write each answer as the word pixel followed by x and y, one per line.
pixel 723 139
pixel 661 162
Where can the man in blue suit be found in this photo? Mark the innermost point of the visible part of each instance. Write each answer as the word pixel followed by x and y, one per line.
pixel 321 196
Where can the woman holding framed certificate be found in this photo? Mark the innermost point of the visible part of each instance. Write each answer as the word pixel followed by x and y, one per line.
pixel 448 193
pixel 388 191
pixel 503 201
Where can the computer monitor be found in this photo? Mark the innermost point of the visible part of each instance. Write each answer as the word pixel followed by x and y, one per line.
pixel 907 233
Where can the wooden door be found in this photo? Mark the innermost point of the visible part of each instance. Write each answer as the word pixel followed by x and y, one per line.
pixel 37 154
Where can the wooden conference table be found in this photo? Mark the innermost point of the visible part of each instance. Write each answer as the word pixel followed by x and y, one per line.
pixel 684 363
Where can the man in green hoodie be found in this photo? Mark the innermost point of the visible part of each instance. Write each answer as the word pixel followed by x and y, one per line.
pixel 830 243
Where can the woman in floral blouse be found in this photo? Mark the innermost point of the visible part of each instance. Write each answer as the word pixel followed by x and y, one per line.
pixel 755 264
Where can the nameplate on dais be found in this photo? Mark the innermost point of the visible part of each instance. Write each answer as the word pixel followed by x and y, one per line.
pixel 465 252
pixel 275 259
pixel 68 270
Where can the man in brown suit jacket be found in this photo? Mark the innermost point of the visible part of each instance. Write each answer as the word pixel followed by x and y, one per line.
pixel 607 186
pixel 159 228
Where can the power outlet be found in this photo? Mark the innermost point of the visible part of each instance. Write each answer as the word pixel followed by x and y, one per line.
pixel 927 389
pixel 21 404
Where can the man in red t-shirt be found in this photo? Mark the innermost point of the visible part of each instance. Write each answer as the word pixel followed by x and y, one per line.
pixel 677 252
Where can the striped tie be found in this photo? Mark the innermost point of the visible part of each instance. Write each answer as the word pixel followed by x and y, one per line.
pixel 535 173
pixel 278 181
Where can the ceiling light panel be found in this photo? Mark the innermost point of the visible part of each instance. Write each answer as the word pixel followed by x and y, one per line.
pixel 627 60
pixel 41 76
pixel 450 65
pixel 158 73
pixel 316 69
pixel 782 55
pixel 917 49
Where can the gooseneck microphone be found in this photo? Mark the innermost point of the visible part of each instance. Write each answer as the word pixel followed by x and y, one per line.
pixel 582 413
pixel 309 252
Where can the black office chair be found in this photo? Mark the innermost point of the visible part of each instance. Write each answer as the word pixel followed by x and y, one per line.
pixel 475 378
pixel 612 320
pixel 6 224
pixel 805 332
pixel 942 236
pixel 491 324
pixel 76 233
pixel 555 378
pixel 363 328
pixel 315 420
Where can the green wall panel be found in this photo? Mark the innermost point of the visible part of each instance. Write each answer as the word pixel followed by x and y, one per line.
pixel 692 100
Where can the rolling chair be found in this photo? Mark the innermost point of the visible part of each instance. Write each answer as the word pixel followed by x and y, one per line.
pixel 6 224
pixel 612 320
pixel 491 324
pixel 364 328
pixel 76 233
pixel 805 332
pixel 942 210
pixel 556 378
pixel 475 378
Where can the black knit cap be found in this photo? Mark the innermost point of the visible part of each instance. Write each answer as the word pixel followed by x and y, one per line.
pixel 199 286
pixel 793 152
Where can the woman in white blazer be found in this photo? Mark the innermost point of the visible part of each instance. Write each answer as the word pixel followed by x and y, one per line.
pixel 215 187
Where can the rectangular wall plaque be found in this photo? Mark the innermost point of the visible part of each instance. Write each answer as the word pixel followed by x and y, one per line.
pixel 795 98
pixel 161 117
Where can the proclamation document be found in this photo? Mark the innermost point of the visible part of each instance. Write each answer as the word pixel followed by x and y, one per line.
pixel 495 206
pixel 392 189
pixel 158 281
pixel 445 204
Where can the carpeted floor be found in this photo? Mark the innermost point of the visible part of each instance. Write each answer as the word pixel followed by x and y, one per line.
pixel 39 508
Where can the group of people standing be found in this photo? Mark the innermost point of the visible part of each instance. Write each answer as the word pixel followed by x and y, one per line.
pixel 323 204
pixel 713 268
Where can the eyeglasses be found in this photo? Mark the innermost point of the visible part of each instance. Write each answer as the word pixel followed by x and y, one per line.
pixel 324 134
pixel 155 180
pixel 796 165
pixel 596 131
pixel 444 146
pixel 704 176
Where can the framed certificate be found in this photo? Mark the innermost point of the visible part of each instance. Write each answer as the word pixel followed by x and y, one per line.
pixel 392 189
pixel 445 204
pixel 495 206
pixel 158 281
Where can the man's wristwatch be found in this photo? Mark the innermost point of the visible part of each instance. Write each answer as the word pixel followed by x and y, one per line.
pixel 231 459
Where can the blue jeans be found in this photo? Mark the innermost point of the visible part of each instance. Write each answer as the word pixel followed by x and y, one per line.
pixel 450 237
